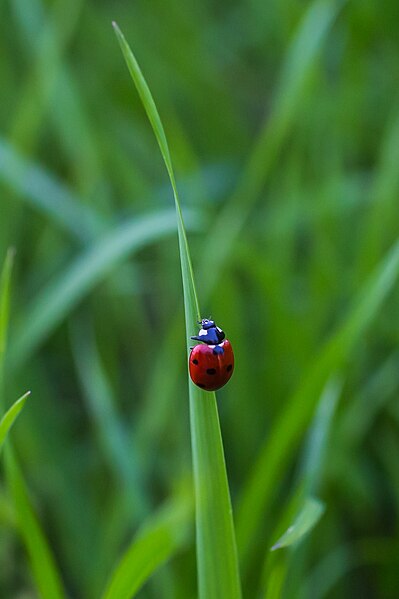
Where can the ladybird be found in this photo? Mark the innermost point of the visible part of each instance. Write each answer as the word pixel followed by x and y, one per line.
pixel 211 364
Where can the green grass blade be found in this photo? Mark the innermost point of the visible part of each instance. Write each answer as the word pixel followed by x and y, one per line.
pixel 43 565
pixel 64 293
pixel 158 541
pixel 218 575
pixel 191 301
pixel 5 283
pixel 47 194
pixel 9 417
pixel 307 518
pixel 280 445
pixel 275 582
pixel 316 446
pixel 299 62
pixel 119 450
pixel 44 570
pixel 276 566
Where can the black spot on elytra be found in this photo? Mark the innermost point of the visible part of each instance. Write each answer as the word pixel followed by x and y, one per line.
pixel 195 362
pixel 210 371
pixel 201 385
pixel 229 367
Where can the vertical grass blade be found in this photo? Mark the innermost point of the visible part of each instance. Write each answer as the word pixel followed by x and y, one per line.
pixel 316 447
pixel 279 447
pixel 9 417
pixel 5 282
pixel 161 537
pixel 301 57
pixel 44 570
pixel 217 564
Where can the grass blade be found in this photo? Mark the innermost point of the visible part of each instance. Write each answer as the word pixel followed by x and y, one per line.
pixel 307 518
pixel 5 283
pixel 286 433
pixel 161 537
pixel 296 70
pixel 61 295
pixel 47 194
pixel 119 450
pixel 9 417
pixel 43 565
pixel 44 570
pixel 316 445
pixel 218 575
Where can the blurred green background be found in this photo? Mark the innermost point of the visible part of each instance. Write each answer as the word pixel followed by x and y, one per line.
pixel 283 123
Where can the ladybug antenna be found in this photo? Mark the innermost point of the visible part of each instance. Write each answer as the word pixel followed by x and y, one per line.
pixel 199 321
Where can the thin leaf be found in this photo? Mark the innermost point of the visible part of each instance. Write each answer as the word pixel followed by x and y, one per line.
pixel 275 582
pixel 44 569
pixel 5 282
pixel 217 563
pixel 316 446
pixel 296 70
pixel 9 417
pixel 312 467
pixel 157 542
pixel 307 518
pixel 48 195
pixel 64 293
pixel 279 447
pixel 119 450
pixel 43 565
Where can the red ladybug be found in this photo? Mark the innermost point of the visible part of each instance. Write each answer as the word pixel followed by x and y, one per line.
pixel 211 365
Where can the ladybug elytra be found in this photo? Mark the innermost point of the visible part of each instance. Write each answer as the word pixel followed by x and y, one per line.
pixel 211 364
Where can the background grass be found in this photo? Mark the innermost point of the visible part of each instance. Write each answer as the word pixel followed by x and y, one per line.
pixel 282 120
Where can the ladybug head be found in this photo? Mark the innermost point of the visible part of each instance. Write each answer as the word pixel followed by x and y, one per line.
pixel 206 324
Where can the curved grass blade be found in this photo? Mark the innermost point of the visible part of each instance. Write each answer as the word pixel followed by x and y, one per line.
pixel 158 541
pixel 43 565
pixel 307 518
pixel 286 433
pixel 119 450
pixel 300 60
pixel 9 417
pixel 44 569
pixel 62 295
pixel 47 194
pixel 276 568
pixel 217 563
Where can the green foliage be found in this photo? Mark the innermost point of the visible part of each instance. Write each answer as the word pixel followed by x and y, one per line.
pixel 43 566
pixel 281 120
pixel 9 417
pixel 304 522
pixel 160 538
pixel 217 562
